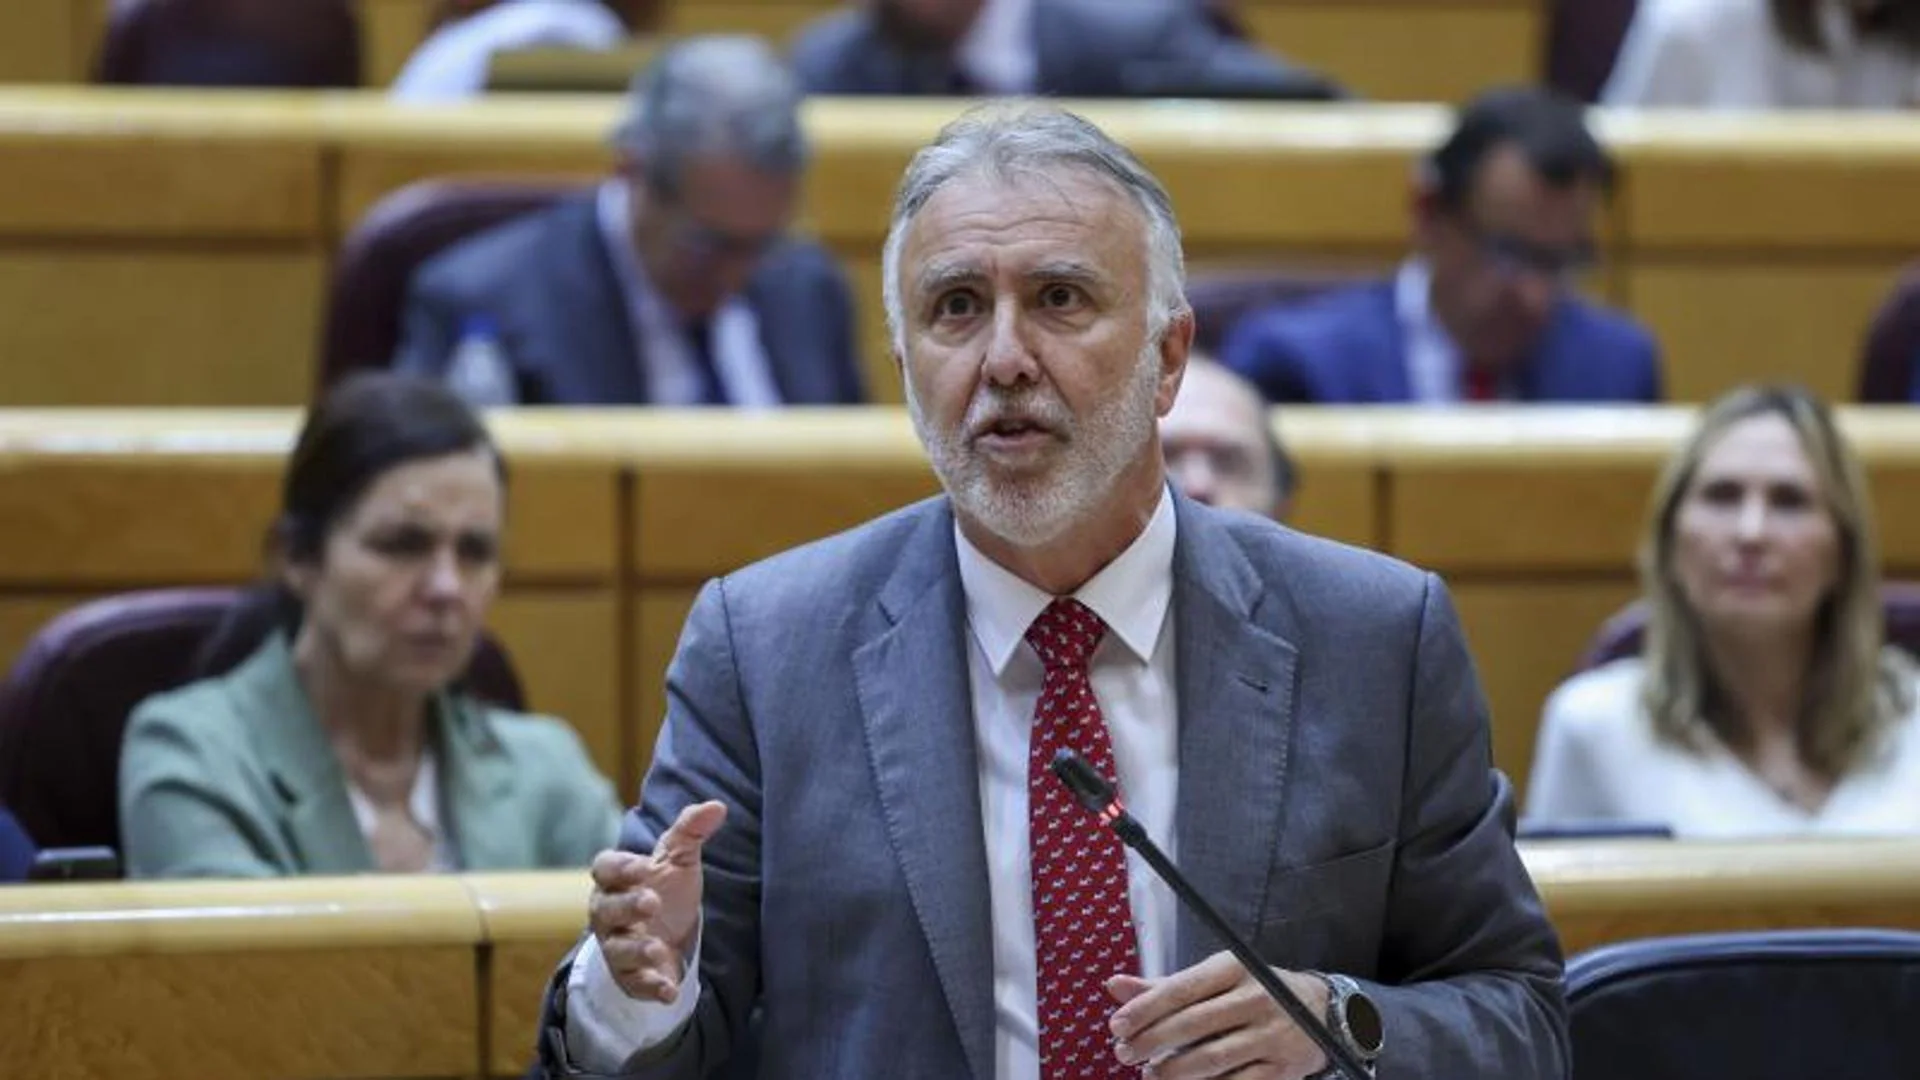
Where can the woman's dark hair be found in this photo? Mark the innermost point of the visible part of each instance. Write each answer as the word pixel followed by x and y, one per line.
pixel 1895 21
pixel 366 426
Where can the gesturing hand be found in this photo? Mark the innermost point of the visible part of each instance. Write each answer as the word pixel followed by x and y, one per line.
pixel 645 908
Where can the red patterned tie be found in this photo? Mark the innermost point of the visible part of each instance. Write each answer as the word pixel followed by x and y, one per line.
pixel 1082 922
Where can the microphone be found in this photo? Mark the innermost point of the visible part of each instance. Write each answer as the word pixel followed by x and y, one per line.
pixel 1092 791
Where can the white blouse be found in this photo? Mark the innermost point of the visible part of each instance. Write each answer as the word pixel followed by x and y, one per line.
pixel 1598 759
pixel 423 804
pixel 1726 54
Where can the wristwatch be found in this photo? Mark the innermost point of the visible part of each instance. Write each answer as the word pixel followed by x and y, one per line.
pixel 1354 1020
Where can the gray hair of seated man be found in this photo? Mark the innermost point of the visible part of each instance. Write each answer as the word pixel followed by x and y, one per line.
pixel 1008 143
pixel 728 95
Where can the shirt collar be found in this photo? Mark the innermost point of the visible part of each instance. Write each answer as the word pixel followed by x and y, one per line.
pixel 1131 594
pixel 613 211
pixel 1413 298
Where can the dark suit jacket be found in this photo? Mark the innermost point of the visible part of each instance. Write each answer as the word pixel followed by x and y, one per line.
pixel 1347 348
pixel 1337 802
pixel 548 283
pixel 16 849
pixel 1084 48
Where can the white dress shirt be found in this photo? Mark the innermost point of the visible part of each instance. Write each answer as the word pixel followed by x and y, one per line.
pixel 423 805
pixel 1132 673
pixel 452 64
pixel 672 377
pixel 1433 360
pixel 1726 54
pixel 998 50
pixel 1598 759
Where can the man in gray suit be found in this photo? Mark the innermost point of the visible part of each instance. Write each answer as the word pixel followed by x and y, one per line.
pixel 1056 48
pixel 672 283
pixel 848 852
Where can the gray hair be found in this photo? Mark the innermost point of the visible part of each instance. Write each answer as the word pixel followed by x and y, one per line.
pixel 725 94
pixel 1005 143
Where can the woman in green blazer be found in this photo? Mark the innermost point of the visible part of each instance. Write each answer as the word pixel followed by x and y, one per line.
pixel 342 743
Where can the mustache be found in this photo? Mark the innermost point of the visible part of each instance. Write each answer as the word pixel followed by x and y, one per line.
pixel 1030 407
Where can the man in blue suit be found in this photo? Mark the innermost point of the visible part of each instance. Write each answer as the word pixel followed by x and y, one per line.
pixel 673 283
pixel 1504 216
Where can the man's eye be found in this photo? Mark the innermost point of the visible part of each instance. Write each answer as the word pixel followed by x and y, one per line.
pixel 1056 296
pixel 955 305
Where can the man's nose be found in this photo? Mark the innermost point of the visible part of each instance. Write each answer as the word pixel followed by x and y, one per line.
pixel 1009 359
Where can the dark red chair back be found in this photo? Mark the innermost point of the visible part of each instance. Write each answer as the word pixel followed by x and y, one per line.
pixel 1890 356
pixel 361 324
pixel 290 43
pixel 1583 41
pixel 64 706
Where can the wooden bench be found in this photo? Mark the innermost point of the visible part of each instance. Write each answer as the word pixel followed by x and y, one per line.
pixel 173 248
pixel 321 978
pixel 441 977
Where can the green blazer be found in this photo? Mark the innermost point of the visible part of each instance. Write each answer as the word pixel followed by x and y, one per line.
pixel 233 777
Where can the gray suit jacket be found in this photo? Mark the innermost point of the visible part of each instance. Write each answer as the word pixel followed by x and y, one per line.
pixel 1083 48
pixel 1337 802
pixel 549 285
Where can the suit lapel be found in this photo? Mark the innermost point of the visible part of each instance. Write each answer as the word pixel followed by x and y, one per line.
pixel 489 826
pixel 581 280
pixel 1394 380
pixel 315 816
pixel 1235 687
pixel 917 705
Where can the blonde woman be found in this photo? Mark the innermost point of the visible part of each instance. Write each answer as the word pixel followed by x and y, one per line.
pixel 1765 702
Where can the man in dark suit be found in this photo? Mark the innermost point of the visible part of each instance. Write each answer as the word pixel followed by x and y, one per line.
pixel 849 848
pixel 1059 48
pixel 1504 218
pixel 673 283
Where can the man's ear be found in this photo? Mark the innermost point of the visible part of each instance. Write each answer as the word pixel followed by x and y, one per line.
pixel 1176 344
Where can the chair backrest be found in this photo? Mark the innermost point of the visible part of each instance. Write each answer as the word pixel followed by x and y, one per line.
pixel 1583 41
pixel 1625 631
pixel 361 325
pixel 291 43
pixel 1890 355
pixel 1771 1005
pixel 1222 297
pixel 64 706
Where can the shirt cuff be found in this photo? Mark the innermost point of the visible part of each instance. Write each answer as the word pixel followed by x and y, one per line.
pixel 605 1027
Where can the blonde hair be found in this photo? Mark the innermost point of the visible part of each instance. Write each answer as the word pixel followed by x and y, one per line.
pixel 1856 687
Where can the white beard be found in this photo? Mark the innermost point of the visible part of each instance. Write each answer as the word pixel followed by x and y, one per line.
pixel 1035 509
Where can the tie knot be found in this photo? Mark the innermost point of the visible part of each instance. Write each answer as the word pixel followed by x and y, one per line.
pixel 1066 634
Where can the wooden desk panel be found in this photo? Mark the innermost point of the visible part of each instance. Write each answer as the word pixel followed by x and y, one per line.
pixel 37 42
pixel 1406 50
pixel 175 184
pixel 133 522
pixel 1525 637
pixel 1725 321
pixel 565 645
pixel 390 30
pixel 317 977
pixel 1599 892
pixel 531 920
pixel 115 326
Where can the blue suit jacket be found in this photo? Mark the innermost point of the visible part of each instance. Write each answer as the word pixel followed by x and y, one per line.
pixel 1336 802
pixel 16 849
pixel 548 283
pixel 1346 348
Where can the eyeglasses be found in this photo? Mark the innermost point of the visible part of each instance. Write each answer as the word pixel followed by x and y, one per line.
pixel 1512 257
pixel 706 242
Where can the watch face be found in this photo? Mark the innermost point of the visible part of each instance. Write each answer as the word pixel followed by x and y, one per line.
pixel 1363 1023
